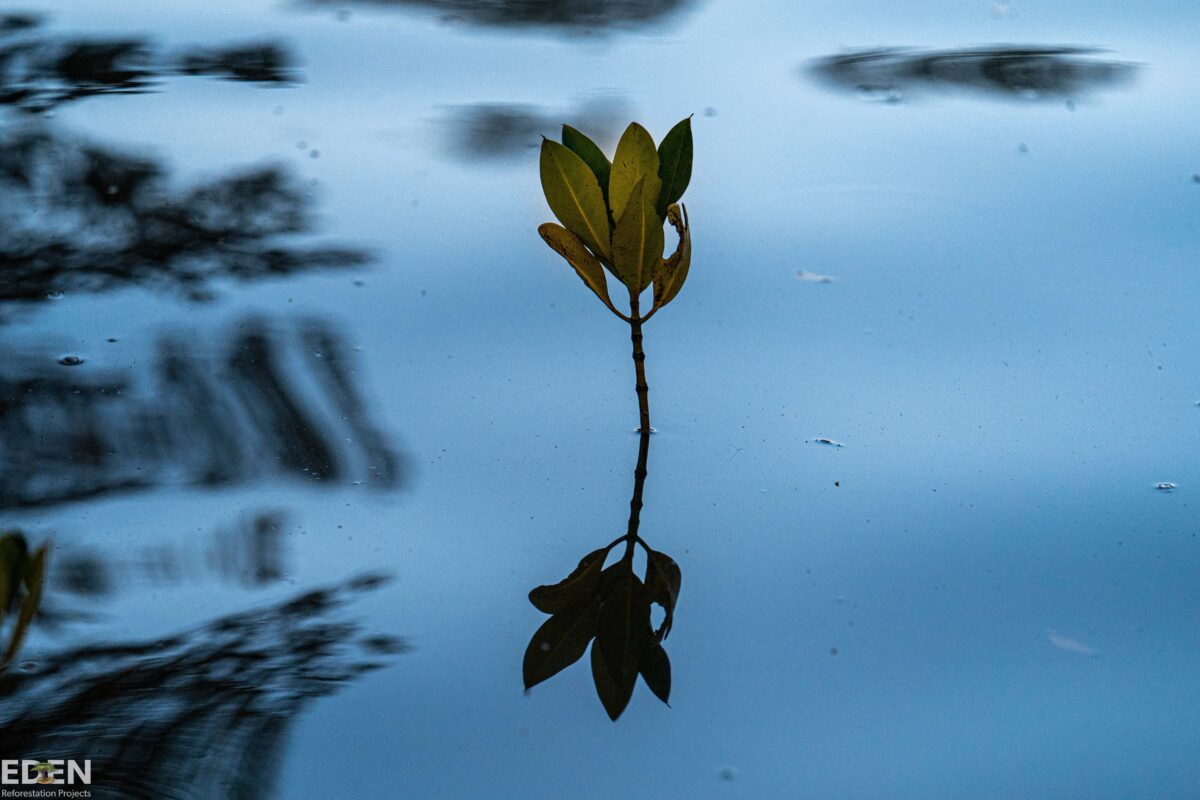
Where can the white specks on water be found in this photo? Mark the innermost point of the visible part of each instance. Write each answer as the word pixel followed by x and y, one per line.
pixel 813 277
pixel 1165 486
pixel 70 360
pixel 827 442
pixel 1069 645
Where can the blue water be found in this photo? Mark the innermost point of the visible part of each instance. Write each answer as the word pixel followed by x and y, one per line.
pixel 980 594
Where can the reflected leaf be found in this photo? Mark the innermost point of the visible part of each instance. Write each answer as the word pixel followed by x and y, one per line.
pixel 663 580
pixel 560 642
pixel 675 164
pixel 656 672
pixel 638 237
pixel 623 626
pixel 574 590
pixel 636 158
pixel 588 267
pixel 574 196
pixel 613 695
pixel 591 154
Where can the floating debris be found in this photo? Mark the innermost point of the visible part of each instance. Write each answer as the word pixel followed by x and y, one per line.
pixel 1069 645
pixel 70 361
pixel 55 295
pixel 813 277
pixel 828 442
pixel 1165 486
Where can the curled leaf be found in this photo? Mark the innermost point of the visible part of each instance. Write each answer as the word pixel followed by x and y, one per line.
pixel 576 589
pixel 574 196
pixel 560 642
pixel 675 164
pixel 656 672
pixel 672 272
pixel 663 581
pixel 638 239
pixel 636 158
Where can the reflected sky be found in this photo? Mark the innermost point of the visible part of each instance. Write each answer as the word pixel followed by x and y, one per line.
pixel 1007 355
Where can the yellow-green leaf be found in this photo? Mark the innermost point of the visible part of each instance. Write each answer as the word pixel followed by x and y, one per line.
pixel 638 237
pixel 636 158
pixel 574 196
pixel 567 245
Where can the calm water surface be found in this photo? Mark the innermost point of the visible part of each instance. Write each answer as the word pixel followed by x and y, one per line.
pixel 305 407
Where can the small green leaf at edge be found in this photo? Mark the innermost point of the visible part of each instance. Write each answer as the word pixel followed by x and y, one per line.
pixel 573 590
pixel 638 240
pixel 636 158
pixel 567 634
pixel 675 164
pixel 574 196
pixel 33 576
pixel 656 672
pixel 614 696
pixel 579 144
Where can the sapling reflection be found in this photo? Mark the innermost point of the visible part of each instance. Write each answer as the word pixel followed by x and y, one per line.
pixel 613 216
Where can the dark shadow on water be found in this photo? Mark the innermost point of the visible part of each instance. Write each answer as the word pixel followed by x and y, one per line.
pixel 80 217
pixel 610 609
pixel 40 70
pixel 204 713
pixel 1027 72
pixel 576 17
pixel 512 131
pixel 262 401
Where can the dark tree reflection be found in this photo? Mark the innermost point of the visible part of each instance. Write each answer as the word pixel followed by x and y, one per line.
pixel 40 70
pixel 1029 72
pixel 575 16
pixel 200 714
pixel 610 608
pixel 78 217
pixel 264 402
pixel 499 131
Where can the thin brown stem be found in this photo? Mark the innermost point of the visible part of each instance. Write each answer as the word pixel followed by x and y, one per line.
pixel 635 502
pixel 639 364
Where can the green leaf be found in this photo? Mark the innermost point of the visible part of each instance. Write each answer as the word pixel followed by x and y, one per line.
pixel 638 239
pixel 579 144
pixel 560 642
pixel 656 672
pixel 675 164
pixel 567 245
pixel 636 158
pixel 574 196
pixel 672 272
pixel 33 576
pixel 663 580
pixel 623 629
pixel 574 590
pixel 613 695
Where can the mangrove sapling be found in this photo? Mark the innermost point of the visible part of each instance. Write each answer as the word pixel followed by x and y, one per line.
pixel 612 216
